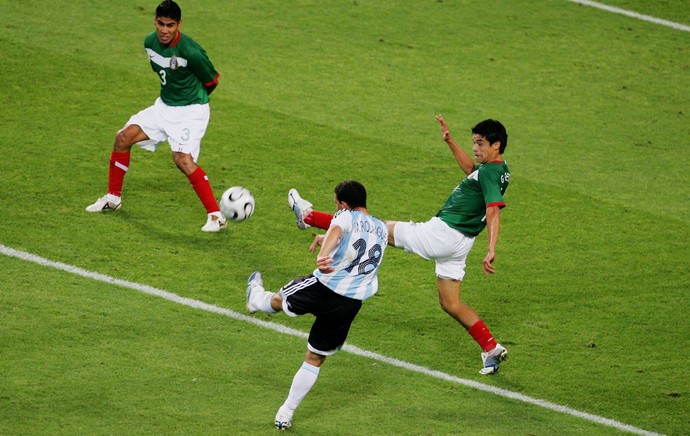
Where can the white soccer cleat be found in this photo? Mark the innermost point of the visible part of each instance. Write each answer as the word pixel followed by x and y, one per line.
pixel 283 419
pixel 215 223
pixel 300 207
pixel 105 204
pixel 255 284
pixel 492 360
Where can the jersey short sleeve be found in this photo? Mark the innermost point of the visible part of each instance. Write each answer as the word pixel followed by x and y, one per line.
pixel 492 188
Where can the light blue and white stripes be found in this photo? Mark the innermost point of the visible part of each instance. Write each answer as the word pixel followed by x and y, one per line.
pixel 358 255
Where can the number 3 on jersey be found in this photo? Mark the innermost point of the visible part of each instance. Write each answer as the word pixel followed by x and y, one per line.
pixel 162 74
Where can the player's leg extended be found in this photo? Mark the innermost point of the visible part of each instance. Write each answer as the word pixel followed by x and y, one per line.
pixel 391 232
pixel 118 167
pixel 304 214
pixel 199 180
pixel 259 299
pixel 318 219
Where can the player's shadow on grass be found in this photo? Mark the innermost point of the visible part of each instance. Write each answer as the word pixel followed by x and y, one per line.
pixel 185 233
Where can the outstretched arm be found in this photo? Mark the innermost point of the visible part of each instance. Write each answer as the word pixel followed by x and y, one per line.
pixel 493 223
pixel 463 159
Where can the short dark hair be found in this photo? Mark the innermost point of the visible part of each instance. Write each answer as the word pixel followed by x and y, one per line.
pixel 351 192
pixel 493 131
pixel 169 9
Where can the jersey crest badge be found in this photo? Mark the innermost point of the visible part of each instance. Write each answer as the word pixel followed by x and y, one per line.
pixel 174 63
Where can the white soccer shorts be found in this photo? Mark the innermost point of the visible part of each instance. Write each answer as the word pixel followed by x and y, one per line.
pixel 182 126
pixel 436 240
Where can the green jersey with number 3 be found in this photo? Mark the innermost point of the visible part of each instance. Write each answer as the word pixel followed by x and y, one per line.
pixel 465 209
pixel 183 68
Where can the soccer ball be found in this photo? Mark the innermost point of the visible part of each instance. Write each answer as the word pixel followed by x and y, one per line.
pixel 237 204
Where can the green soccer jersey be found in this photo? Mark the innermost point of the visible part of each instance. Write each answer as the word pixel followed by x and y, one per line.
pixel 183 68
pixel 465 209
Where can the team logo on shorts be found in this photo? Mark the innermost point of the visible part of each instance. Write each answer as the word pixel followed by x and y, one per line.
pixel 174 63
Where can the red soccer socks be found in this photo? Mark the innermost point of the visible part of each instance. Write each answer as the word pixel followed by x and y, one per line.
pixel 202 187
pixel 480 332
pixel 321 220
pixel 119 164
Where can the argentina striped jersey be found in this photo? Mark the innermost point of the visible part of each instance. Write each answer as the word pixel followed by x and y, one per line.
pixel 357 256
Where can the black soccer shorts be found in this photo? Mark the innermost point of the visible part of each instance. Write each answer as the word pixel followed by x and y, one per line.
pixel 334 313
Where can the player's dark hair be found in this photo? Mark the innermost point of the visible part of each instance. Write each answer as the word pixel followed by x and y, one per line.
pixel 493 131
pixel 169 9
pixel 351 192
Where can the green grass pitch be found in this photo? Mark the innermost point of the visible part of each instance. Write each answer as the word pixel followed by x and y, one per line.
pixel 592 284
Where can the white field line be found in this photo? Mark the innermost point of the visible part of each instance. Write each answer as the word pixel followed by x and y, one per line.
pixel 632 14
pixel 196 304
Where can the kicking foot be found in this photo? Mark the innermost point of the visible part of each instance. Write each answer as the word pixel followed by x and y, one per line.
pixel 300 207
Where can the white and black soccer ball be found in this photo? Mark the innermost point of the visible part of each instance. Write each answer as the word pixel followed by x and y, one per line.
pixel 237 204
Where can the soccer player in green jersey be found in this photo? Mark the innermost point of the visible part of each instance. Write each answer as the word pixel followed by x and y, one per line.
pixel 448 237
pixel 180 115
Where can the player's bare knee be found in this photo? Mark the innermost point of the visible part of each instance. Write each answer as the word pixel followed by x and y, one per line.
pixel 449 295
pixel 314 359
pixel 123 140
pixel 120 140
pixel 450 307
pixel 185 162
